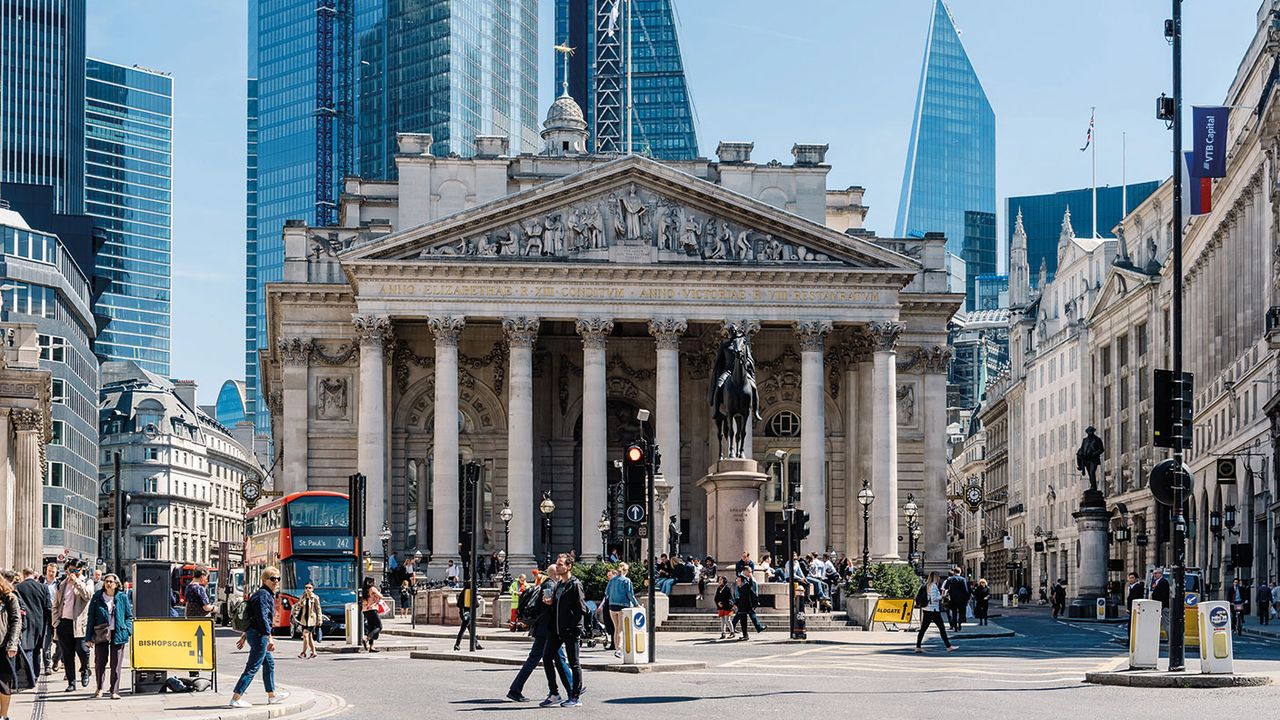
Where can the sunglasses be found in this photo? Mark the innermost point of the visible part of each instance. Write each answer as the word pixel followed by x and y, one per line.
pixel 271 579
pixel 104 582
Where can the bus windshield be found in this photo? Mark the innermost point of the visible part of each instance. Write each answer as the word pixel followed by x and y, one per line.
pixel 298 572
pixel 318 511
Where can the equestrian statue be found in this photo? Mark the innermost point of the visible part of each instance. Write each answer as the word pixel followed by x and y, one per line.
pixel 733 397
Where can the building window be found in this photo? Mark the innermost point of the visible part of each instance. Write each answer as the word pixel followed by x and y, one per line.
pixel 56 437
pixel 150 515
pixel 783 424
pixel 1140 337
pixel 150 548
pixel 53 348
pixel 53 513
pixel 58 391
pixel 150 485
pixel 153 453
pixel 55 474
pixel 1105 360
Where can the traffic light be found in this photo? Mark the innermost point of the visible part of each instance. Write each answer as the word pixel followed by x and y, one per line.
pixel 125 518
pixel 802 525
pixel 1172 429
pixel 633 473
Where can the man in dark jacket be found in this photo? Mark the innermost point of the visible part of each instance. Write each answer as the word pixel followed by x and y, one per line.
pixel 1262 603
pixel 956 589
pixel 262 606
pixel 1135 591
pixel 465 619
pixel 34 597
pixel 1238 596
pixel 568 605
pixel 1058 598
pixel 539 618
pixel 745 604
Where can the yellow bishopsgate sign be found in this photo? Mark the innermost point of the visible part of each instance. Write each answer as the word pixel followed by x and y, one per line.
pixel 892 611
pixel 173 644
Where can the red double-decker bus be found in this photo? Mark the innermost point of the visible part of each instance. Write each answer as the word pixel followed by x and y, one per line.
pixel 307 535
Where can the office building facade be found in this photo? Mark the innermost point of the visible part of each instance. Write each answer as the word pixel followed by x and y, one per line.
pixel 42 75
pixel 1042 218
pixel 951 157
pixel 662 124
pixel 128 183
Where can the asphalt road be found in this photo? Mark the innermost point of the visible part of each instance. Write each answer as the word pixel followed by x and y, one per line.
pixel 1036 672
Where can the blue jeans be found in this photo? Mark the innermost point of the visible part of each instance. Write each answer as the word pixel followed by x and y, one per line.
pixel 258 658
pixel 819 588
pixel 665 585
pixel 536 652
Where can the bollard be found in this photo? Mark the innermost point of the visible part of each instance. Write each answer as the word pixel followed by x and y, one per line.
pixel 635 636
pixel 1102 608
pixel 1144 635
pixel 351 612
pixel 1216 650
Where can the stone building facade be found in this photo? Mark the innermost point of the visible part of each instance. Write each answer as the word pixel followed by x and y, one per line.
pixel 519 310
pixel 25 423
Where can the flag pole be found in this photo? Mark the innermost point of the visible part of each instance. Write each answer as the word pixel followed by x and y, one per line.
pixel 1124 187
pixel 1092 111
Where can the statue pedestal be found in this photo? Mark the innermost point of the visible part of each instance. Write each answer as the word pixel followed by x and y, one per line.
pixel 733 508
pixel 1092 520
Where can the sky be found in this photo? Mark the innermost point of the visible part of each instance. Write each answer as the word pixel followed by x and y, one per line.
pixel 843 72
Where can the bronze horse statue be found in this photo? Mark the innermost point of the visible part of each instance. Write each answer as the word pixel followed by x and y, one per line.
pixel 733 394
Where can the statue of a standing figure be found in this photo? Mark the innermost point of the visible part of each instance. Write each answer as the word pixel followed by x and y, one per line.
pixel 1089 456
pixel 733 396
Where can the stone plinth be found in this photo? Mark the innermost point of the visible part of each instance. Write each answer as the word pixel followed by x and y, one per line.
pixel 733 508
pixel 1091 523
pixel 860 606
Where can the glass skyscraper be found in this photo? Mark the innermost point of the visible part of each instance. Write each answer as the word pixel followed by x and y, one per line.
pixel 42 97
pixel 456 69
pixel 128 140
pixel 1042 217
pixel 951 158
pixel 662 125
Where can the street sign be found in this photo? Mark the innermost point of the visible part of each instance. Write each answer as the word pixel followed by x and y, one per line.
pixel 173 644
pixel 635 513
pixel 892 611
pixel 644 531
pixel 1192 599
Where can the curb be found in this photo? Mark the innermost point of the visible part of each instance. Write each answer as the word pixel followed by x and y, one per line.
pixel 586 665
pixel 1148 679
pixel 355 649
pixel 446 634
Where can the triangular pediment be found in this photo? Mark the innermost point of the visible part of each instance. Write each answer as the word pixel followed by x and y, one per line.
pixel 1121 282
pixel 632 210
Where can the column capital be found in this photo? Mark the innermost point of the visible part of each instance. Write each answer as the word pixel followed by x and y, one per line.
pixel 744 327
pixel 26 419
pixel 884 335
pixel 594 331
pixel 937 358
pixel 667 332
pixel 372 330
pixel 295 352
pixel 812 334
pixel 447 329
pixel 520 331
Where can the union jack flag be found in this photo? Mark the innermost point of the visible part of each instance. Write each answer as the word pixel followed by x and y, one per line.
pixel 1088 136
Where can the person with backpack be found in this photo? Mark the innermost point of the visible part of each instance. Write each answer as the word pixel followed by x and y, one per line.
pixel 109 628
pixel 533 614
pixel 568 606
pixel 258 613
pixel 929 600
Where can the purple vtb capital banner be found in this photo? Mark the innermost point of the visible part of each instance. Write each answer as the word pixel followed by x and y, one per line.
pixel 1209 141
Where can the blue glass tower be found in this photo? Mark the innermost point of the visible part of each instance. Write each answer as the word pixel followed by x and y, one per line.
pixel 951 158
pixel 127 175
pixel 662 124
pixel 42 97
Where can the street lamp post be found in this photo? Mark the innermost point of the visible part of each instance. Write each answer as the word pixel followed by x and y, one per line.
pixel 413 590
pixel 603 526
pixel 506 516
pixel 913 553
pixel 547 506
pixel 866 497
pixel 385 536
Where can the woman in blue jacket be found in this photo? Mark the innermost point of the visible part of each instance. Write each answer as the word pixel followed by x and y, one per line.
pixel 620 594
pixel 107 631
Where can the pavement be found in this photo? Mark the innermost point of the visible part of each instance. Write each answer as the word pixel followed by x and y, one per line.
pixel 49 702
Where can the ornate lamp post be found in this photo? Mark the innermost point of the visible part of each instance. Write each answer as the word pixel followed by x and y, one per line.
pixel 603 526
pixel 913 554
pixel 385 536
pixel 547 506
pixel 866 497
pixel 413 590
pixel 506 516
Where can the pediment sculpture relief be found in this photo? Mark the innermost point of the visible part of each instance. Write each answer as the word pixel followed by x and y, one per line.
pixel 633 217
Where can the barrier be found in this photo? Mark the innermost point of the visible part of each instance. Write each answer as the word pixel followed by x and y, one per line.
pixel 1216 648
pixel 1144 634
pixel 892 611
pixel 635 636
pixel 174 644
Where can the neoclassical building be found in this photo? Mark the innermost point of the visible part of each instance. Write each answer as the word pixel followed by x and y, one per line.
pixel 519 310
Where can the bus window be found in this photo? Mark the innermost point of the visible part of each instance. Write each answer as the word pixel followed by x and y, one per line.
pixel 319 511
pixel 335 573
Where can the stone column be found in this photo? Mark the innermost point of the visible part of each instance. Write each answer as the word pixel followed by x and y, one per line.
pixel 813 430
pixel 373 332
pixel 444 465
pixel 666 333
pixel 28 423
pixel 884 439
pixel 295 357
pixel 857 438
pixel 595 335
pixel 933 514
pixel 8 497
pixel 521 333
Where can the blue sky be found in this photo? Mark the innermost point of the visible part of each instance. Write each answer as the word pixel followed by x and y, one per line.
pixel 843 72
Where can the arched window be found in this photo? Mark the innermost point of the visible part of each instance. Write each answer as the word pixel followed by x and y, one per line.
pixel 783 424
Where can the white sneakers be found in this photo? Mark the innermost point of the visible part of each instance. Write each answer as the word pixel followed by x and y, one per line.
pixel 239 703
pixel 279 697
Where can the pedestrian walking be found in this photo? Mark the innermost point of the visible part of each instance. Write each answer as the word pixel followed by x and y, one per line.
pixel 1262 602
pixel 50 655
pixel 568 605
pixel 34 601
pixel 371 605
pixel 261 612
pixel 955 592
pixel 744 604
pixel 1238 596
pixel 537 616
pixel 10 638
pixel 463 603
pixel 620 594
pixel 981 601
pixel 71 611
pixel 929 600
pixel 108 630
pixel 310 617
pixel 724 609
pixel 1058 598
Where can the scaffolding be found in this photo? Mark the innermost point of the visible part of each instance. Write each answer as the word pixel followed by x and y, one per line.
pixel 333 105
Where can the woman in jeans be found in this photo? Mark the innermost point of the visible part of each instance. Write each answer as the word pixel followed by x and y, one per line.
pixel 620 594
pixel 370 599
pixel 108 630
pixel 309 619
pixel 929 600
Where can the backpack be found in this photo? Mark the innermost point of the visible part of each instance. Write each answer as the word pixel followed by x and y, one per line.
pixel 239 614
pixel 922 596
pixel 530 600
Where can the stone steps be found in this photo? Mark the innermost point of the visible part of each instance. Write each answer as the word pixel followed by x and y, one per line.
pixel 708 623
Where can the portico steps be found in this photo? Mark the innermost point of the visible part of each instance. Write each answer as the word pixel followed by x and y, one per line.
pixel 775 621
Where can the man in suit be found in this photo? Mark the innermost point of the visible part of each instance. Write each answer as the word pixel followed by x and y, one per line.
pixel 1135 591
pixel 35 600
pixel 70 616
pixel 1262 603
pixel 1058 598
pixel 956 588
pixel 1238 596
pixel 1161 592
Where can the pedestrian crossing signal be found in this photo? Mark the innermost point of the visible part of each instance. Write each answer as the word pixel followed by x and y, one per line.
pixel 802 525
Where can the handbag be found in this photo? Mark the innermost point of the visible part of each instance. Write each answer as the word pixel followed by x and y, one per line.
pixel 101 633
pixel 382 607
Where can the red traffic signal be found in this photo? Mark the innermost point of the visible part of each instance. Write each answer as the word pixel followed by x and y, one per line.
pixel 635 454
